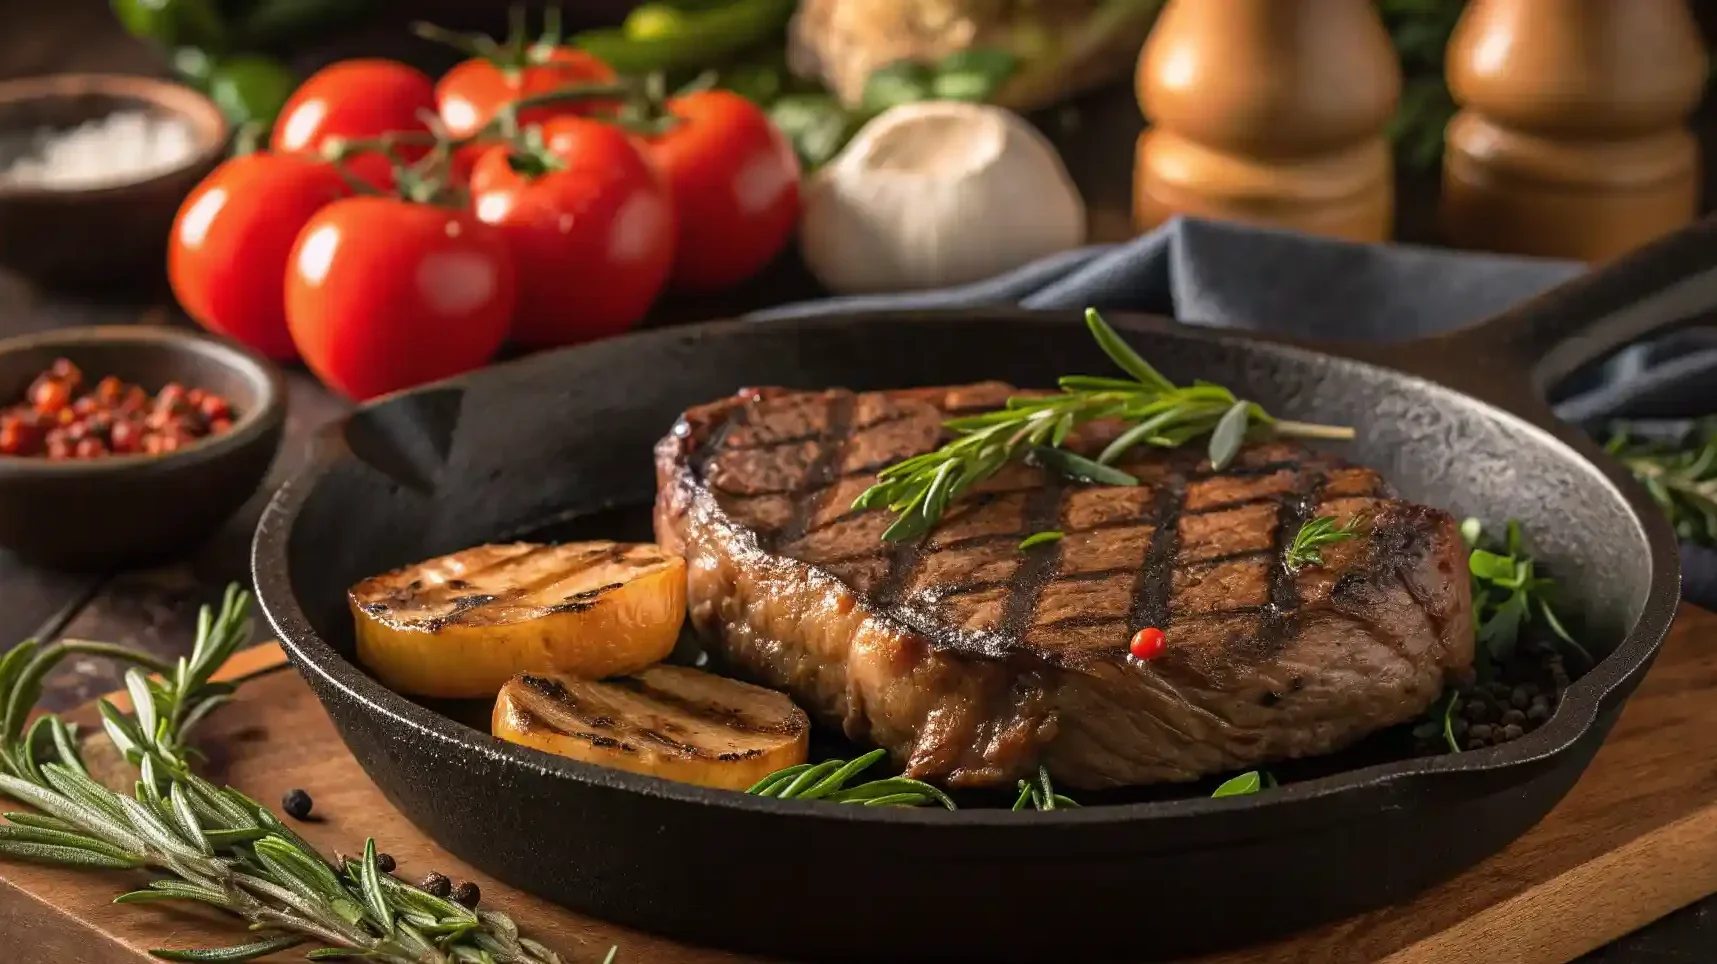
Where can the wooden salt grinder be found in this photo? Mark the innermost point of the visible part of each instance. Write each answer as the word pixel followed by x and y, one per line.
pixel 1572 140
pixel 1269 111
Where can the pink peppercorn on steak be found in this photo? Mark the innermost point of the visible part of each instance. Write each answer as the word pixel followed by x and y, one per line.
pixel 973 660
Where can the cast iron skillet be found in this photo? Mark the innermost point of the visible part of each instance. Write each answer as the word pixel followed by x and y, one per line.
pixel 1457 421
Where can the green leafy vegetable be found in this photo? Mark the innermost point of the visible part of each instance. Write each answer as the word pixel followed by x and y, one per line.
pixel 1509 595
pixel 1307 547
pixel 1420 31
pixel 1162 414
pixel 1680 474
pixel 973 75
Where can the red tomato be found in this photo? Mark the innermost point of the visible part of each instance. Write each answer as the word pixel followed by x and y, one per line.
pixel 735 183
pixel 472 93
pixel 592 239
pixel 383 294
pixel 227 255
pixel 359 100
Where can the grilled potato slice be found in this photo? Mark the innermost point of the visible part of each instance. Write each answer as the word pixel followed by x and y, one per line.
pixel 668 721
pixel 462 625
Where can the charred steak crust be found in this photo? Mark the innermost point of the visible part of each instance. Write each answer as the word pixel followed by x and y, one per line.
pixel 973 662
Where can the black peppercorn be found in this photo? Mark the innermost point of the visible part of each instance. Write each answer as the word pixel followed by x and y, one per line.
pixel 297 804
pixel 1539 712
pixel 1512 732
pixel 1520 699
pixel 1458 727
pixel 467 894
pixel 1480 731
pixel 436 884
pixel 1513 716
pixel 1474 743
pixel 384 863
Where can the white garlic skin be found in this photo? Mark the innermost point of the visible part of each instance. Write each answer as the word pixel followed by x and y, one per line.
pixel 938 193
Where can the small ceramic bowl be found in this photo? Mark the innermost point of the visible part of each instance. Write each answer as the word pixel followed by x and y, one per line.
pixel 119 511
pixel 101 237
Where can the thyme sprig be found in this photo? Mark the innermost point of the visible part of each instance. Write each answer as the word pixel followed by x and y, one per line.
pixel 830 779
pixel 1307 547
pixel 212 845
pixel 1160 413
pixel 1681 476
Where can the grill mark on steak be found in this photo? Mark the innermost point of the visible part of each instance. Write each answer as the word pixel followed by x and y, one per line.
pixel 886 418
pixel 818 483
pixel 1039 566
pixel 1294 511
pixel 1155 582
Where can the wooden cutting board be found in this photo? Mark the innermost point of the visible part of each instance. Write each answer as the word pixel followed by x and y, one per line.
pixel 1636 839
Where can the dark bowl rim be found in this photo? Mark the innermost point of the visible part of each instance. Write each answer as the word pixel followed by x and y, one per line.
pixel 210 127
pixel 1574 719
pixel 252 425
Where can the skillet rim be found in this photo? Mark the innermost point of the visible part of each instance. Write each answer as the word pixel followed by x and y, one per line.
pixel 1573 720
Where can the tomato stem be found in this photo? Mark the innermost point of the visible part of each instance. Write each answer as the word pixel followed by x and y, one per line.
pixel 514 54
pixel 470 44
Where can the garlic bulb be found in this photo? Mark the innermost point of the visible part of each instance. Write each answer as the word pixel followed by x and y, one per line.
pixel 938 193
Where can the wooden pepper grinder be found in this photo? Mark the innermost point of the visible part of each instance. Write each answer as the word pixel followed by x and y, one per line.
pixel 1572 140
pixel 1269 111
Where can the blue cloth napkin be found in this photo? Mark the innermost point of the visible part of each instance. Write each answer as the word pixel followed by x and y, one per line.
pixel 1236 276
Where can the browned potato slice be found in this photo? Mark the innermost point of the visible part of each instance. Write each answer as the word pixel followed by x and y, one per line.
pixel 462 625
pixel 668 721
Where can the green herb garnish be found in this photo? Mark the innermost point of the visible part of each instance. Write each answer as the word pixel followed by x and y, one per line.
pixel 211 845
pixel 1161 414
pixel 1307 547
pixel 1509 594
pixel 1449 720
pixel 1245 784
pixel 1682 478
pixel 828 781
pixel 1040 793
pixel 1039 538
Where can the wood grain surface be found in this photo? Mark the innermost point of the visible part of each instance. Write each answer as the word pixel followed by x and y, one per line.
pixel 1636 839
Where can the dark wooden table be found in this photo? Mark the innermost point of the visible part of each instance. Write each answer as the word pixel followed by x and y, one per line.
pixel 156 608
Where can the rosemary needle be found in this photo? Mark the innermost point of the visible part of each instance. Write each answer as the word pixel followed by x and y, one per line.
pixel 1159 413
pixel 1307 547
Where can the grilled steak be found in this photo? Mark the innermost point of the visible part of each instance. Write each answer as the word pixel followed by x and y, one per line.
pixel 973 661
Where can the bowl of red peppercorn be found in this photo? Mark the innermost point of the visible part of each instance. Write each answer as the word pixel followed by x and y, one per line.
pixel 125 445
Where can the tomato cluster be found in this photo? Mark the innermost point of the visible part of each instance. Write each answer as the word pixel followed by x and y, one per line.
pixel 343 245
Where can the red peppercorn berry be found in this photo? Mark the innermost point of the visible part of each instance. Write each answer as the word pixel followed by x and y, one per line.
pixel 1147 644
pixel 112 417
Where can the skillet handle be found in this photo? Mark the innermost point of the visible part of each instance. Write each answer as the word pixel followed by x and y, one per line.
pixel 1667 284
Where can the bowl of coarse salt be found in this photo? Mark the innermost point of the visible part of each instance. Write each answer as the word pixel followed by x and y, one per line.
pixel 93 168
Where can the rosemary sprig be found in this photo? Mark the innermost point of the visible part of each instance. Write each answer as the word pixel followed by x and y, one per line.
pixel 829 780
pixel 1508 595
pixel 1681 476
pixel 1160 413
pixel 1040 793
pixel 212 845
pixel 1307 547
